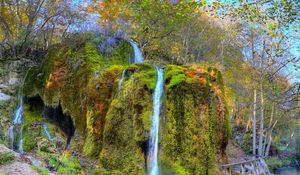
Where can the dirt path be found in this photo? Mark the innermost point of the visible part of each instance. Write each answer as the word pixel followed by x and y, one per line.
pixel 235 154
pixel 17 167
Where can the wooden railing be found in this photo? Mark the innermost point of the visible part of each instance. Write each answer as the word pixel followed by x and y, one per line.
pixel 256 166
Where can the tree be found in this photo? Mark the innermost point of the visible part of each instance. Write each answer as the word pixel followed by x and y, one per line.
pixel 268 50
pixel 144 21
pixel 27 23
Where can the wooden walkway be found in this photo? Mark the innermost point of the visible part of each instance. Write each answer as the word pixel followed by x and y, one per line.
pixel 256 166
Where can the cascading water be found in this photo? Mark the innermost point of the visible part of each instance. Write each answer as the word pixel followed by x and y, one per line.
pixel 17 122
pixel 153 143
pixel 121 79
pixel 19 112
pixel 21 141
pixel 138 57
pixel 45 127
pixel 34 162
pixel 11 136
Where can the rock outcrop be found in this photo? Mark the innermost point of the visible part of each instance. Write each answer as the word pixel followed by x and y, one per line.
pixel 113 124
pixel 17 165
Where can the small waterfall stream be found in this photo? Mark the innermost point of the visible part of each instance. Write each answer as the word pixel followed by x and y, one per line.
pixel 21 141
pixel 138 57
pixel 46 130
pixel 17 125
pixel 121 79
pixel 11 136
pixel 153 143
pixel 19 112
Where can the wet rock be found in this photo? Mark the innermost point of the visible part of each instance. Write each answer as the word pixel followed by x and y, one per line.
pixel 3 86
pixel 4 149
pixel 5 97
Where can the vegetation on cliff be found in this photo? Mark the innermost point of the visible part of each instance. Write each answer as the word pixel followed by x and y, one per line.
pixel 115 123
pixel 220 59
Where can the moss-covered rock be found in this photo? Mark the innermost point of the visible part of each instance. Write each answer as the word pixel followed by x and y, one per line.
pixel 114 121
pixel 33 132
pixel 100 92
pixel 128 122
pixel 195 128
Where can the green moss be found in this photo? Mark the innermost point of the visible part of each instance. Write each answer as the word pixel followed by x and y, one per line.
pixel 92 145
pixel 40 170
pixel 6 158
pixel 193 131
pixel 119 55
pixel 33 85
pixel 128 122
pixel 64 164
pixel 115 123
pixel 100 93
pixel 33 133
pixel 32 129
pixel 142 74
pixel 90 56
pixel 179 169
pixel 68 165
pixel 174 75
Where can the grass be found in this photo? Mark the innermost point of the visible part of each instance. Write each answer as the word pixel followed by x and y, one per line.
pixel 40 170
pixel 275 163
pixel 6 158
pixel 65 164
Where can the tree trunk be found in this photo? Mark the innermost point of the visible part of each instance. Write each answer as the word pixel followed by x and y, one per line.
pixel 187 44
pixel 254 97
pixel 254 124
pixel 265 141
pixel 269 136
pixel 268 146
pixel 261 126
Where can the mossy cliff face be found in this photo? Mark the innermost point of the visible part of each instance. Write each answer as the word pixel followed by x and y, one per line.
pixel 114 121
pixel 195 127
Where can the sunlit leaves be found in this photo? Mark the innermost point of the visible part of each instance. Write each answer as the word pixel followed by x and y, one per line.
pixel 142 14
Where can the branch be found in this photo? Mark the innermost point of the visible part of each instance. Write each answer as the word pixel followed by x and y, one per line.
pixel 283 65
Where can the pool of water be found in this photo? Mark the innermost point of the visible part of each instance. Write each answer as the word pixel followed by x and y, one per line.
pixel 288 171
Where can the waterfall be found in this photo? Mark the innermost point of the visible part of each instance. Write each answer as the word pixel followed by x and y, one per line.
pixel 19 112
pixel 11 136
pixel 45 127
pixel 17 122
pixel 34 162
pixel 21 141
pixel 138 57
pixel 153 143
pixel 121 79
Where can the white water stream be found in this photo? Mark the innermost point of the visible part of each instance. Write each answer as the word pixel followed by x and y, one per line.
pixel 153 143
pixel 46 130
pixel 17 125
pixel 138 57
